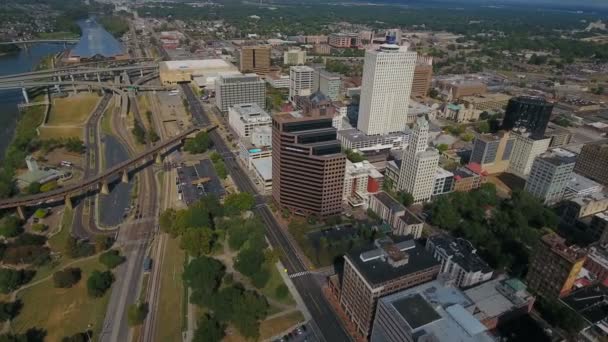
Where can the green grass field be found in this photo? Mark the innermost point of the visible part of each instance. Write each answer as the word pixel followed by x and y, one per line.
pixel 72 110
pixel 57 132
pixel 270 289
pixel 62 312
pixel 171 298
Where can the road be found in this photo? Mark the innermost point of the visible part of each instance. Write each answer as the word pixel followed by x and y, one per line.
pixel 329 326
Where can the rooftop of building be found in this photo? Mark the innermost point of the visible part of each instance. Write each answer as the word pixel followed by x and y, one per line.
pixel 599 254
pixel 558 157
pixel 492 136
pixel 302 68
pixel 602 216
pixel 251 111
pixel 497 296
pixel 558 245
pixel 374 261
pixel 355 135
pixel 410 218
pixel 591 302
pixel 481 98
pixel 195 64
pixel 594 197
pixel 461 251
pixel 364 167
pixel 232 78
pixel 581 183
pixel 263 167
pixel 437 312
pixel 417 109
pixel 464 172
pixel 329 74
pixel 602 144
pixel 443 173
pixel 388 201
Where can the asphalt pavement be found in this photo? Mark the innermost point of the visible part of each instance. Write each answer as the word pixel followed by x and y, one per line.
pixel 329 326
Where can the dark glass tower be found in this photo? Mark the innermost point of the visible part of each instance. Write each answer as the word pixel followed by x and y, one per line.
pixel 528 113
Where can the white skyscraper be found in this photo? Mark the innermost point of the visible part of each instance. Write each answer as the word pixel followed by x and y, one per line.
pixel 301 79
pixel 419 164
pixel 385 90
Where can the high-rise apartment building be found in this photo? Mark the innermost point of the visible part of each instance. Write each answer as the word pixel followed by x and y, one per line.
pixel 294 56
pixel 493 151
pixel 378 270
pixel 385 90
pixel 528 114
pixel 554 267
pixel 593 162
pixel 419 166
pixel 239 89
pixel 307 165
pixel 525 150
pixel 301 81
pixel 344 40
pixel 423 76
pixel 550 174
pixel 255 59
pixel 329 83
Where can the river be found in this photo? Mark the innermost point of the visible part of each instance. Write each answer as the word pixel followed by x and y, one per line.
pixel 23 61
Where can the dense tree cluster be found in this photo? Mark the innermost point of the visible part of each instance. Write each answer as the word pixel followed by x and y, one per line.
pixel 9 310
pixel 26 249
pixel 231 303
pixel 11 279
pixel 218 164
pixel 10 226
pixel 116 25
pixel 209 329
pixel 503 230
pixel 199 144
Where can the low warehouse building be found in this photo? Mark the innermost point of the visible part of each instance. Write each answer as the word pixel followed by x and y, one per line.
pixel 173 72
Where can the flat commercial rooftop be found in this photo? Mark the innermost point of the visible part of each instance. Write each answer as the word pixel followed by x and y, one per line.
pixel 198 64
pixel 416 311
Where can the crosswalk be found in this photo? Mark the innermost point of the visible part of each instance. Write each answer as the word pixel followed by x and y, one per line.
pixel 299 274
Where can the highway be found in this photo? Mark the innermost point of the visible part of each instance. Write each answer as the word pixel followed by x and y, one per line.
pixel 308 287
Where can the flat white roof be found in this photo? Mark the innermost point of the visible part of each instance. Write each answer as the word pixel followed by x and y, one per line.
pixel 198 64
pixel 263 167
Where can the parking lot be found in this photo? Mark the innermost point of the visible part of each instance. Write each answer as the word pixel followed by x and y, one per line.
pixel 194 182
pixel 303 333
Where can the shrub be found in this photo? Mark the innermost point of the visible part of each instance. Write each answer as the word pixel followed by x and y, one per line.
pixel 39 227
pixel 52 185
pixel 137 313
pixel 111 258
pixel 10 226
pixel 40 213
pixel 67 278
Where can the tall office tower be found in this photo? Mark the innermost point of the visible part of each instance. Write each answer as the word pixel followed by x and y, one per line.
pixel 423 75
pixel 593 161
pixel 231 90
pixel 525 150
pixel 550 174
pixel 385 90
pixel 380 269
pixel 294 56
pixel 329 83
pixel 301 79
pixel 255 59
pixel 554 267
pixel 528 114
pixel 307 165
pixel 493 151
pixel 419 165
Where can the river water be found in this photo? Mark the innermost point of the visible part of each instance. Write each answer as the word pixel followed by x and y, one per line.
pixel 23 61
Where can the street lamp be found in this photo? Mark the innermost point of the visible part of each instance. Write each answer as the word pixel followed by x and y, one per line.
pixel 89 326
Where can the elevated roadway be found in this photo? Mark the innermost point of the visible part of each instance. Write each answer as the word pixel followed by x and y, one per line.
pixel 71 72
pixel 101 180
pixel 35 41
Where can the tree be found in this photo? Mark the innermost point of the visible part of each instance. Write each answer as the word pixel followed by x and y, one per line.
pixel 354 157
pixel 238 202
pixel 483 127
pixel 33 188
pixel 198 241
pixel 249 262
pixel 138 132
pixel 209 329
pixel 152 136
pixel 203 274
pixel 78 249
pixel 46 187
pixel 111 258
pixel 215 157
pixel 442 148
pixel 40 213
pixel 99 282
pixel 10 279
pixel 199 144
pixel 166 220
pixel 10 226
pixel 136 313
pixel 9 310
pixel 78 337
pixel 67 277
pixel 467 137
pixel 405 198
